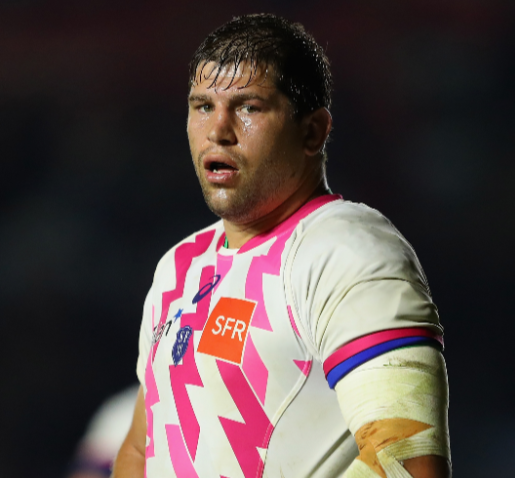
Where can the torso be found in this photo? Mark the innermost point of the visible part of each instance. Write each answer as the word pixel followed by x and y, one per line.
pixel 231 389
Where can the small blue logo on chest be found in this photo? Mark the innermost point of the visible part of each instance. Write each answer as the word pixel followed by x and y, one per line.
pixel 206 289
pixel 181 344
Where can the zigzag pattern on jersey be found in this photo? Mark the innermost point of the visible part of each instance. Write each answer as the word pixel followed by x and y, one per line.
pixel 187 372
pixel 151 398
pixel 257 429
pixel 245 386
pixel 181 461
pixel 184 255
pixel 270 263
pixel 253 366
pixel 223 266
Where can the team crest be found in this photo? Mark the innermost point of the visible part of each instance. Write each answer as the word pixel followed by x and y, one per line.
pixel 181 343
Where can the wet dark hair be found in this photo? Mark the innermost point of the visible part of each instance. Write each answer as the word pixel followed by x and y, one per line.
pixel 300 66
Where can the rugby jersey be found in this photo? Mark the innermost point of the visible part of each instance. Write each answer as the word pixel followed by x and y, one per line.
pixel 240 348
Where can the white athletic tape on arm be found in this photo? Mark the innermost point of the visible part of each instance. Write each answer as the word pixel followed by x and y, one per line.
pixel 391 466
pixel 397 404
pixel 358 469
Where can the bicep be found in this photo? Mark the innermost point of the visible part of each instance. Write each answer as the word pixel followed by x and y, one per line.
pixel 130 462
pixel 138 429
pixel 396 407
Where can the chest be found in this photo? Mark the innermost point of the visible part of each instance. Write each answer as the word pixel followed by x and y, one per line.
pixel 231 315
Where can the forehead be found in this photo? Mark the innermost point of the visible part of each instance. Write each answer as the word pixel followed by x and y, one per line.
pixel 210 75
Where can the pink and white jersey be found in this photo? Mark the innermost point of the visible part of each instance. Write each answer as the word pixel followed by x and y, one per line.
pixel 239 349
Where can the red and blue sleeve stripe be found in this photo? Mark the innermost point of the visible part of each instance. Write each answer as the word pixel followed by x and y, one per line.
pixel 361 350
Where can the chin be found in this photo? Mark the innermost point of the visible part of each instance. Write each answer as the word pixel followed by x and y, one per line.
pixel 219 206
pixel 232 211
pixel 238 207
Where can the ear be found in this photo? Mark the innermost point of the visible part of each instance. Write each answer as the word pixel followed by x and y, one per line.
pixel 317 126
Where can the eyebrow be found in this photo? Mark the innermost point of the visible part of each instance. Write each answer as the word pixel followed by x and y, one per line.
pixel 234 98
pixel 198 98
pixel 246 97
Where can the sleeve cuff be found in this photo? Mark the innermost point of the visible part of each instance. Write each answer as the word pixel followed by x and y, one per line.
pixel 359 351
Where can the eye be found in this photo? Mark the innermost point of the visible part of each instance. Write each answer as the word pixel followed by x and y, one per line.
pixel 249 109
pixel 205 108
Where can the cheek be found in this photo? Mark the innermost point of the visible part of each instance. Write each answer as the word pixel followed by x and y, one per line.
pixel 246 130
pixel 189 129
pixel 260 135
pixel 193 135
pixel 196 127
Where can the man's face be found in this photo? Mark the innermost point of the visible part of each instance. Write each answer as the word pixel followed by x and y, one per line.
pixel 246 146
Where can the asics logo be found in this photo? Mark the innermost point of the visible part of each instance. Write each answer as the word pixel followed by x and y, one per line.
pixel 206 289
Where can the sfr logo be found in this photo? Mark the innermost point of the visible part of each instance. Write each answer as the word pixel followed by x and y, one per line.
pixel 226 329
pixel 224 325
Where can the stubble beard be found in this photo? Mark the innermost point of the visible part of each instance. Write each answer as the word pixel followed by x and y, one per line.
pixel 249 200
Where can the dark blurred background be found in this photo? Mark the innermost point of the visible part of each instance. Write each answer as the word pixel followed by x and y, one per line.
pixel 96 184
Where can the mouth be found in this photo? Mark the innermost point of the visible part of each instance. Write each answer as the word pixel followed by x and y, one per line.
pixel 220 169
pixel 217 163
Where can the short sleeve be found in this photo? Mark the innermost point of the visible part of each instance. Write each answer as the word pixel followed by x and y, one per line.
pixel 358 290
pixel 145 338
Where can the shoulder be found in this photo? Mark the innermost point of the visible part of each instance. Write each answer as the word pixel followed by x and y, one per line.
pixel 357 241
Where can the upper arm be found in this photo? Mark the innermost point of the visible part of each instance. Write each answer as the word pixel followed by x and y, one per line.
pixel 130 462
pixel 396 407
pixel 136 436
pixel 360 296
pixel 352 277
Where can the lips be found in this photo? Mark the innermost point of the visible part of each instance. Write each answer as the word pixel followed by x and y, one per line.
pixel 220 169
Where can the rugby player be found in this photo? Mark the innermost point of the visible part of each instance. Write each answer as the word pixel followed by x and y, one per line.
pixel 295 337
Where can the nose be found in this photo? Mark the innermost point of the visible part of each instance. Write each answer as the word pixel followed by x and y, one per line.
pixel 222 129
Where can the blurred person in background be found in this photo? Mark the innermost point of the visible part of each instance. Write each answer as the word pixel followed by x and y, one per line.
pixel 296 336
pixel 105 433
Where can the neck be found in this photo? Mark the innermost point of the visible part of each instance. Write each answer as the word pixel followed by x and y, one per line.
pixel 238 234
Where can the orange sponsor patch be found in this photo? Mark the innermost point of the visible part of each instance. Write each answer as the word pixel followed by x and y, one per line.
pixel 226 329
